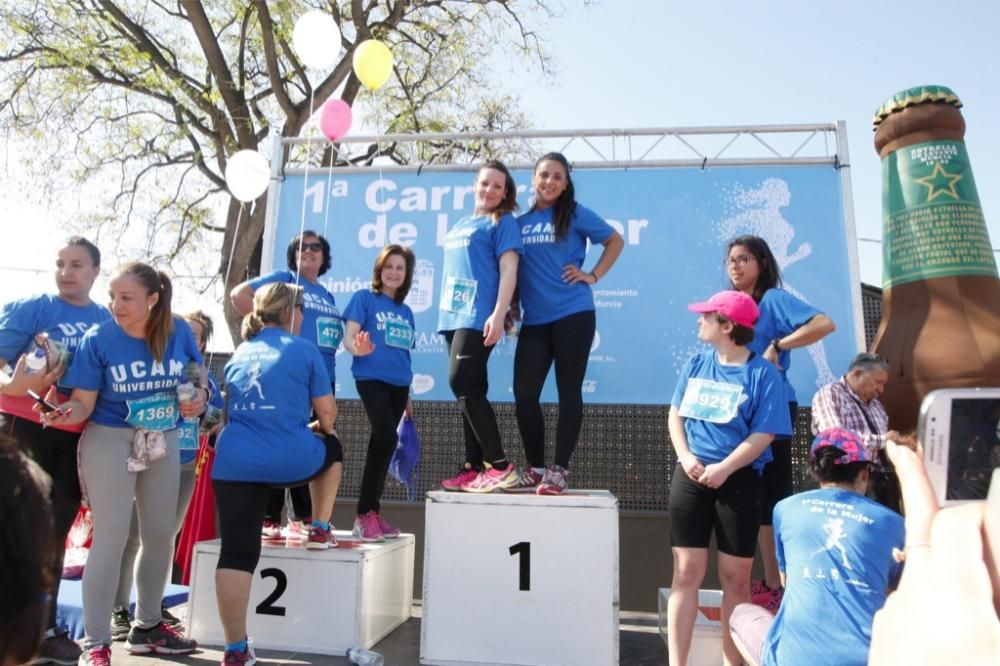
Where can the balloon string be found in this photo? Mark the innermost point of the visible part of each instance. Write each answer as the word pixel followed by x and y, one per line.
pixel 378 153
pixel 229 265
pixel 305 188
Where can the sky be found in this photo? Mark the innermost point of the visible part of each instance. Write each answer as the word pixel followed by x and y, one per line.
pixel 678 63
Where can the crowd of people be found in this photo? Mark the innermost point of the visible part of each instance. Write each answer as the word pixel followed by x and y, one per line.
pixel 114 415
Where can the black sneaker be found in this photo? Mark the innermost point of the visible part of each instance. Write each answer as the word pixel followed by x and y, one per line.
pixel 58 648
pixel 169 618
pixel 121 623
pixel 160 639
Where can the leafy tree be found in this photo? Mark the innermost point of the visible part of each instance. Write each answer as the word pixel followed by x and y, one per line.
pixel 140 102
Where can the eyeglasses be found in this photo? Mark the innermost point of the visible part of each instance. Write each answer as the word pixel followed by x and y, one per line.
pixel 312 247
pixel 741 259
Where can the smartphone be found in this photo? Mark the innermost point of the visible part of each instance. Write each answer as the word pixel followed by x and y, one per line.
pixel 46 405
pixel 960 432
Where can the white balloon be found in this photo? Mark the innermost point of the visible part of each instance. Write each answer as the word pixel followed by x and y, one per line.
pixel 247 175
pixel 316 39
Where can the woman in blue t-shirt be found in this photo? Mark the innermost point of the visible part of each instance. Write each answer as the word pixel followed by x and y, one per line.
pixel 380 334
pixel 63 317
pixel 274 381
pixel 557 311
pixel 480 272
pixel 835 552
pixel 121 619
pixel 727 408
pixel 786 322
pixel 307 257
pixel 124 378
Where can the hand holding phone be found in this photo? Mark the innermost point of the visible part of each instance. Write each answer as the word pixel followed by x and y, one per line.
pixel 43 404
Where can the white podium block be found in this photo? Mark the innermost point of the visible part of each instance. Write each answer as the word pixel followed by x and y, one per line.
pixel 323 602
pixel 520 579
pixel 706 643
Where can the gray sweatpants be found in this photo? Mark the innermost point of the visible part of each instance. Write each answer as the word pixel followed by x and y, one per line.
pixel 127 574
pixel 111 489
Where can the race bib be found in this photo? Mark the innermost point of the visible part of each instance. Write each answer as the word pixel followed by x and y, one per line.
pixel 329 332
pixel 706 400
pixel 460 295
pixel 187 436
pixel 398 334
pixel 157 412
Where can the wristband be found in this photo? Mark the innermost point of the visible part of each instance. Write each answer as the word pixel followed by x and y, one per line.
pixel 776 345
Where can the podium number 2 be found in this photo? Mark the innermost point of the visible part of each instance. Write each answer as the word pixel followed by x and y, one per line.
pixel 267 606
pixel 523 552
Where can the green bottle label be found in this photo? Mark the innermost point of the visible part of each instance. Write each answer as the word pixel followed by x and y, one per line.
pixel 932 223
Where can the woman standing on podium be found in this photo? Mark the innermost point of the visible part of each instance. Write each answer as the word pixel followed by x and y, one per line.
pixel 480 272
pixel 558 317
pixel 786 322
pixel 727 408
pixel 273 381
pixel 380 334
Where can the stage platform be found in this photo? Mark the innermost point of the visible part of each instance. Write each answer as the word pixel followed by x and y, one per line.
pixel 639 645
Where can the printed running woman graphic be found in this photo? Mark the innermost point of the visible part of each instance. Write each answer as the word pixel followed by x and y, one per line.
pixel 834 528
pixel 254 380
pixel 759 214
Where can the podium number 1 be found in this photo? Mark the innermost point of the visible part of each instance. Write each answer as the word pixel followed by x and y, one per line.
pixel 523 552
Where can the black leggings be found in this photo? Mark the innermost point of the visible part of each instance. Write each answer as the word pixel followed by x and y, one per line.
pixel 467 358
pixel 241 506
pixel 55 452
pixel 776 481
pixel 384 405
pixel 567 342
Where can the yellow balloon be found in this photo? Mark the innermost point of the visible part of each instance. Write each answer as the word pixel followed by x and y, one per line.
pixel 372 63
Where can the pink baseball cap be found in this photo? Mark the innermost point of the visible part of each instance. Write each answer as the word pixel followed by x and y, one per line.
pixel 733 305
pixel 847 441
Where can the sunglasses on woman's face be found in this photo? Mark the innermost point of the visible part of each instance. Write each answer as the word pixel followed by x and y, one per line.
pixel 312 247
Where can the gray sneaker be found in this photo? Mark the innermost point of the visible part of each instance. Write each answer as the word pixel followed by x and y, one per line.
pixel 161 639
pixel 58 648
pixel 554 481
pixel 121 623
pixel 527 481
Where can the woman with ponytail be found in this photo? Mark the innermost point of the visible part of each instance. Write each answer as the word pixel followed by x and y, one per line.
pixel 835 556
pixel 124 379
pixel 274 379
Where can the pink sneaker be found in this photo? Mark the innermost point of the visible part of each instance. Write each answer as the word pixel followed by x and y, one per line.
pixel 367 529
pixel 456 482
pixel 554 481
pixel 388 531
pixel 270 531
pixel 321 538
pixel 771 600
pixel 298 530
pixel 492 479
pixel 758 586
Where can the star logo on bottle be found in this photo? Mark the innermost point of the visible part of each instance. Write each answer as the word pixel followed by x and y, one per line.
pixel 940 183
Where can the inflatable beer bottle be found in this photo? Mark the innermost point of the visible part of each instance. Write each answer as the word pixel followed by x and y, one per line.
pixel 940 292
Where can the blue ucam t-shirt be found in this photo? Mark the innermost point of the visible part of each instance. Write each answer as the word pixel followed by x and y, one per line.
pixel 722 405
pixel 780 314
pixel 64 322
pixel 129 383
pixel 270 383
pixel 215 400
pixel 322 324
pixel 391 328
pixel 472 251
pixel 545 297
pixel 835 547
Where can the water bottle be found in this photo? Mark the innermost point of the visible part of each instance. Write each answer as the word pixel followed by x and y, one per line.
pixel 186 392
pixel 37 361
pixel 363 657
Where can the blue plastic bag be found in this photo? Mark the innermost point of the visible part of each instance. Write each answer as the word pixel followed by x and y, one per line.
pixel 406 457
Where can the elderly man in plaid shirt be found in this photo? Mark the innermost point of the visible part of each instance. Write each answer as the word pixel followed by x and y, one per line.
pixel 852 403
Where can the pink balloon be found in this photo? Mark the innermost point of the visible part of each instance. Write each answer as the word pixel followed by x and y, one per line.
pixel 335 119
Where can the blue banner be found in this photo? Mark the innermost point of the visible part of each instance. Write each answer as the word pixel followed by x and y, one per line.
pixel 675 223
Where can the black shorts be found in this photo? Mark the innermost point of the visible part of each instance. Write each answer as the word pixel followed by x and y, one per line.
pixel 776 483
pixel 732 510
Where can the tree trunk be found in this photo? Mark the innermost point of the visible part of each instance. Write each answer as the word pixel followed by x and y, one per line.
pixel 245 224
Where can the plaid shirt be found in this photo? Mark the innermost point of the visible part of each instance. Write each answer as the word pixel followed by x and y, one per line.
pixel 836 405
